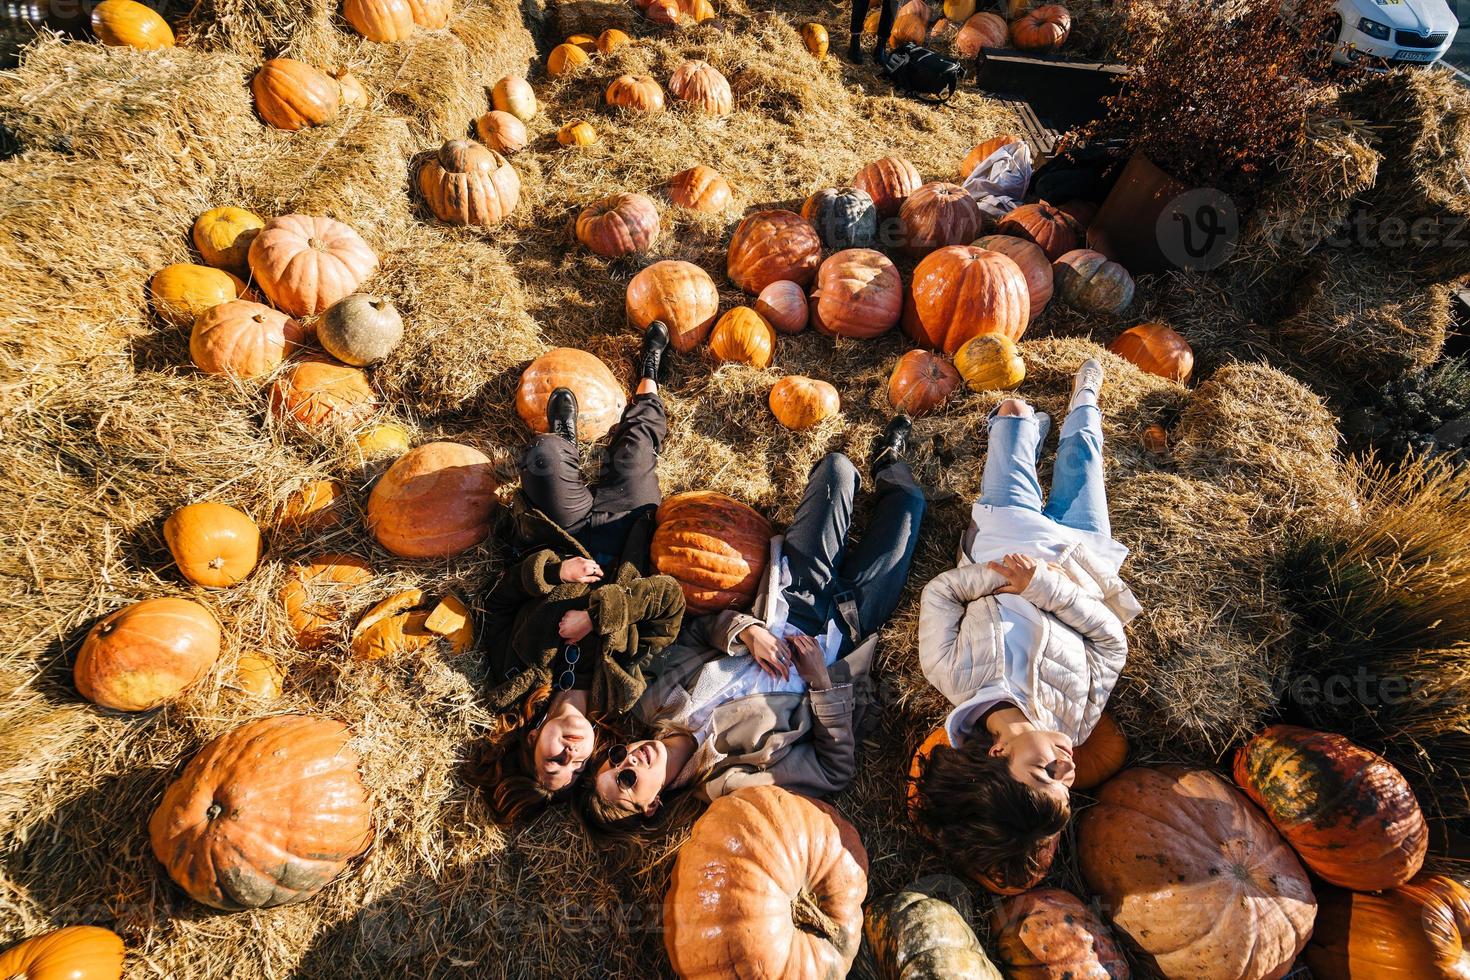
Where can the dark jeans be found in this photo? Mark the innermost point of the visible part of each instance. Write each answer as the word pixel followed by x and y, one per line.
pixel 600 516
pixel 824 570
pixel 885 20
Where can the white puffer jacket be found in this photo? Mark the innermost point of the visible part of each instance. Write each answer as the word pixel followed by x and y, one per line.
pixel 962 640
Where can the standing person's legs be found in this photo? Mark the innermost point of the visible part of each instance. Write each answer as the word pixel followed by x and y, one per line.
pixel 855 39
pixel 551 479
pixel 878 566
pixel 1016 434
pixel 885 27
pixel 817 538
pixel 1078 495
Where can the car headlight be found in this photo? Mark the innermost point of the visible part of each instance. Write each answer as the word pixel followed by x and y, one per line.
pixel 1374 29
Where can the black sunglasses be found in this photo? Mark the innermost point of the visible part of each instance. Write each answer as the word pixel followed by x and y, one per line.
pixel 569 655
pixel 626 778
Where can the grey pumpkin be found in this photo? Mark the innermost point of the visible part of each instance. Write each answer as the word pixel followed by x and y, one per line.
pixel 360 329
pixel 845 217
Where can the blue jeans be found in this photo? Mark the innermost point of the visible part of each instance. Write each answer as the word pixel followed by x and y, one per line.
pixel 1078 498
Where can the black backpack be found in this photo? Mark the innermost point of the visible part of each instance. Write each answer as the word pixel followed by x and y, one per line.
pixel 922 73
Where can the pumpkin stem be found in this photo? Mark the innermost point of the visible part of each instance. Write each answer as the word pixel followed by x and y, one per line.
pixel 214 811
pixel 808 916
pixel 216 562
pixel 316 243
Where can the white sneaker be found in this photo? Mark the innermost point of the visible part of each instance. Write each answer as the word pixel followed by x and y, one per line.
pixel 1089 379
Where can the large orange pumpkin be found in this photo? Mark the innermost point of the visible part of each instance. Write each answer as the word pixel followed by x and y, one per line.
pixel 182 291
pixel 715 546
pixel 769 884
pixel 72 953
pixel 223 236
pixel 921 382
pixel 962 291
pixel 1033 262
pixel 981 152
pixel 291 94
pixel 1050 228
pixel 800 403
pixel 1043 29
pixel 888 182
pixel 679 293
pixel 244 338
pixel 911 23
pixel 783 304
pixel 214 545
pixel 701 85
pixel 638 93
pixel 306 263
pixel 316 596
pixel 1049 934
pixel 769 246
pixel 1418 931
pixel 700 189
pixel 1158 349
pixel 623 224
pixel 320 392
pixel 264 815
pixel 142 655
pixel 1347 811
pixel 985 30
pixel 743 336
pixel 1196 877
pixel 380 20
pixel 858 294
pixel 938 214
pixel 600 399
pixel 126 23
pixel 1101 754
pixel 565 58
pixel 466 183
pixel 435 501
pixel 1090 282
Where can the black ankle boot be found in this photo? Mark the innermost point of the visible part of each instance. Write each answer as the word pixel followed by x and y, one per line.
pixel 890 446
pixel 561 414
pixel 855 49
pixel 651 365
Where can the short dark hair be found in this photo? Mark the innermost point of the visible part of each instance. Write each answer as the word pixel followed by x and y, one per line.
pixel 980 816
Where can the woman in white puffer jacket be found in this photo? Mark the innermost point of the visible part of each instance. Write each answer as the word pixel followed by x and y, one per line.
pixel 1025 638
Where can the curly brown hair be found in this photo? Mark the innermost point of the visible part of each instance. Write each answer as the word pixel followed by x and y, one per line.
pixel 503 765
pixel 982 818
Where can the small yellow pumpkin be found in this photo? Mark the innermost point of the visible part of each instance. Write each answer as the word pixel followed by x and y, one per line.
pixel 578 132
pixel 381 441
pixel 259 676
pixel 990 362
pixel 223 236
pixel 814 36
pixel 182 291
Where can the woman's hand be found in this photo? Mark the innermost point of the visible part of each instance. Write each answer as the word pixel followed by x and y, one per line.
pixel 575 625
pixel 1018 571
pixel 772 654
pixel 810 663
pixel 584 571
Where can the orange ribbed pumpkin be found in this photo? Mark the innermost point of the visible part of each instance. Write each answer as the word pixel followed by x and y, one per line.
pixel 1049 934
pixel 265 815
pixel 435 501
pixel 306 263
pixel 858 294
pixel 984 30
pixel 888 182
pixel 565 58
pixel 1043 224
pixel 142 655
pixel 431 14
pixel 1043 29
pixel 316 594
pixel 315 506
pixel 1347 811
pixel 800 403
pixel 938 214
pixel 291 94
pixel 1157 349
pixel 466 183
pixel 1418 931
pixel 380 20
pixel 320 392
pixel 715 546
pixel 1101 755
pixel 612 39
pixel 679 293
pixel 981 151
pixel 244 338
pixel 701 85
pixel 639 93
pixel 501 132
pixel 962 291
pixel 783 304
pixel 921 382
pixel 600 399
pixel 623 224
pixel 71 953
pixel 911 24
pixel 700 189
pixel 214 545
pixel 743 336
pixel 769 246
pixel 1034 264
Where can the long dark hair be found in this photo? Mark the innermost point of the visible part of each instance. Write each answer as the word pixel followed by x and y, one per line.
pixel 629 831
pixel 503 763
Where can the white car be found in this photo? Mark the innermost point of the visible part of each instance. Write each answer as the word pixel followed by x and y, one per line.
pixel 1380 33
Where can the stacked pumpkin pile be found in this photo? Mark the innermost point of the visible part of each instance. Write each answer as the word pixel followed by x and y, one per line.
pixel 966 33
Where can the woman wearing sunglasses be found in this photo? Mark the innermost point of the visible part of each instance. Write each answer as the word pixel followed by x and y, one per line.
pixel 571 622
pixel 772 696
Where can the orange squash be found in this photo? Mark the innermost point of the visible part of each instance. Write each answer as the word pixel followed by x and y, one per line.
pixel 142 655
pixel 409 623
pixel 600 398
pixel 244 339
pixel 858 294
pixel 1347 811
pixel 320 393
pixel 431 14
pixel 265 815
pixel 743 336
pixel 1101 755
pixel 436 501
pixel 1418 931
pixel 679 293
pixel 990 362
pixel 565 58
pixel 665 12
pixel 612 39
pixel 624 224
pixel 501 132
pixel 466 183
pixel 769 246
pixel 292 95
pixel 715 546
pixel 783 304
pixel 1034 264
pixel 921 382
pixel 1050 228
pixel 911 23
pixel 800 403
pixel 223 237
pixel 513 94
pixel 316 594
pixel 214 545
pixel 888 182
pixel 938 214
pixel 700 189
pixel 380 20
pixel 984 30
pixel 316 506
pixel 962 291
pixel 306 263
pixel 1157 349
pixel 1048 934
pixel 814 37
pixel 982 151
pixel 126 24
pixel 701 84
pixel 1043 29
pixel 71 953
pixel 637 93
pixel 578 132
pixel 183 291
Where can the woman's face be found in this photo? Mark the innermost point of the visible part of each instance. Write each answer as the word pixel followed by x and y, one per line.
pixel 636 781
pixel 1040 759
pixel 563 744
